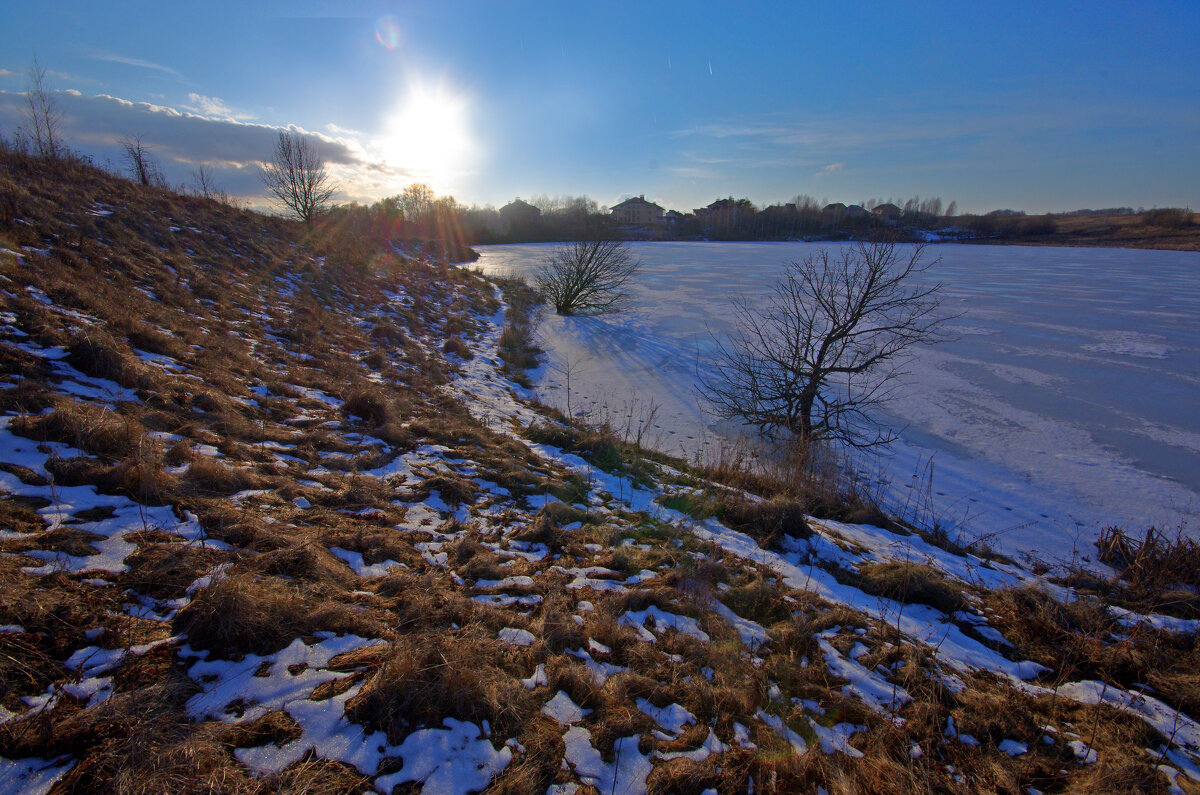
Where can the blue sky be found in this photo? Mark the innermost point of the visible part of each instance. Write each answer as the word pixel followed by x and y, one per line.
pixel 1038 106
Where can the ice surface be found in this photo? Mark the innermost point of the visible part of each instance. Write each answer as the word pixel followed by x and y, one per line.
pixel 1061 405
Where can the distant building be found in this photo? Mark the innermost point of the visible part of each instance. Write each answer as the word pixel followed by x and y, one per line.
pixel 855 211
pixel 637 211
pixel 519 214
pixel 888 211
pixel 720 207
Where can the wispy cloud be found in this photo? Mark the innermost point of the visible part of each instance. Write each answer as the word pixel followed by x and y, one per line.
pixel 138 62
pixel 7 73
pixel 832 168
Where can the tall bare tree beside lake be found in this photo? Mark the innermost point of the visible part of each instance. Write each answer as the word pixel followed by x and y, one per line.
pixel 827 347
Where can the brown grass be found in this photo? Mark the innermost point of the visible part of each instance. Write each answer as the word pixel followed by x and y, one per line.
pixel 206 475
pixel 456 346
pixel 429 678
pixel 371 404
pixel 165 570
pixel 912 583
pixel 1156 573
pixel 93 429
pixel 244 614
pixel 96 353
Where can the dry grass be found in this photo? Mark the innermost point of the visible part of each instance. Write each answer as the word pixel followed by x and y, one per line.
pixel 208 476
pixel 243 614
pixel 428 678
pixel 96 353
pixel 164 569
pixel 93 429
pixel 1156 573
pixel 246 614
pixel 456 346
pixel 215 312
pixel 371 404
pixel 912 583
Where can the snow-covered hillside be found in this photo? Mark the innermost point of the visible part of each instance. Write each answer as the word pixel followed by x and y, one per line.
pixel 274 520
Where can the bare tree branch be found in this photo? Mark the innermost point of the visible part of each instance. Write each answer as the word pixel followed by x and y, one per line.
pixel 828 346
pixel 142 166
pixel 202 182
pixel 43 114
pixel 587 276
pixel 297 177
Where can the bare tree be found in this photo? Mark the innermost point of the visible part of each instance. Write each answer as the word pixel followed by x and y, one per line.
pixel 827 347
pixel 587 276
pixel 42 112
pixel 297 177
pixel 142 166
pixel 203 184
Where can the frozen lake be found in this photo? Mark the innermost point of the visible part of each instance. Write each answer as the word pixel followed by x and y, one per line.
pixel 1068 399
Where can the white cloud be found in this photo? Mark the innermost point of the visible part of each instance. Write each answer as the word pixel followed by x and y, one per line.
pixel 212 106
pixel 832 168
pixel 182 140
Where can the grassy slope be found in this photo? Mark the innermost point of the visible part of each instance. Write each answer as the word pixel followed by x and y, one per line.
pixel 1117 231
pixel 209 412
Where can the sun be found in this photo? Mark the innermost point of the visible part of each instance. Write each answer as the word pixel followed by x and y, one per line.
pixel 428 137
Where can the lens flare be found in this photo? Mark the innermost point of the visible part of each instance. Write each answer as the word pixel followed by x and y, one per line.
pixel 387 31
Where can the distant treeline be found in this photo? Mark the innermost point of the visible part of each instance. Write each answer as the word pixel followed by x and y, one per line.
pixel 418 214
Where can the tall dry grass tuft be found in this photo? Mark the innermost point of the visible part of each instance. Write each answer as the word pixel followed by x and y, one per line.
pixel 94 429
pixel 244 614
pixel 428 678
pixel 1156 571
pixel 247 614
pixel 96 353
pixel 912 583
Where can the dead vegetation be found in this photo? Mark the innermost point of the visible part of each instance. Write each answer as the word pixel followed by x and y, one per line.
pixel 238 452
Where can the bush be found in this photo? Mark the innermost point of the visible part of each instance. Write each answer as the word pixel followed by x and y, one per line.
pixel 1169 217
pixel 459 348
pixel 587 276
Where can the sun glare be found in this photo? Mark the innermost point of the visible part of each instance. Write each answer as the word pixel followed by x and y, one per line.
pixel 428 138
